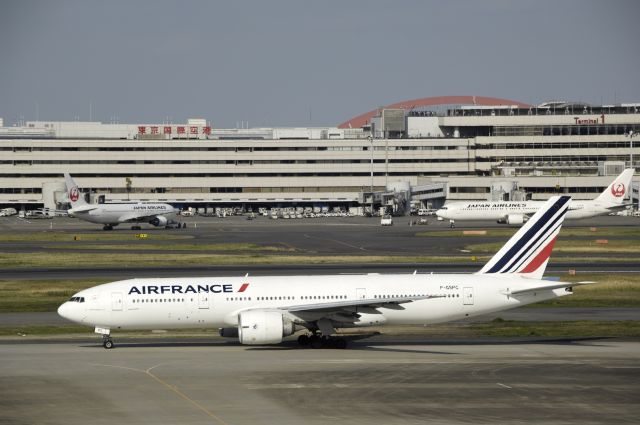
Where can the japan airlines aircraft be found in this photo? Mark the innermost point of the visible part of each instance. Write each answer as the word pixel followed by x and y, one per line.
pixel 113 214
pixel 511 212
pixel 266 309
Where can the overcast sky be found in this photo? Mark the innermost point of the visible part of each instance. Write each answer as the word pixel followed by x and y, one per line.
pixel 305 63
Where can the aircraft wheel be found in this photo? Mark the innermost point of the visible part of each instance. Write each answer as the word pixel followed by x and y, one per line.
pixel 340 343
pixel 303 340
pixel 107 227
pixel 107 343
pixel 315 342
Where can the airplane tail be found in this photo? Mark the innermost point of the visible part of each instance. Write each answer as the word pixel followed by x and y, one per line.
pixel 76 197
pixel 616 191
pixel 528 251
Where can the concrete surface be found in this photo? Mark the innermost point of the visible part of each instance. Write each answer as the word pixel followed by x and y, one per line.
pixel 467 382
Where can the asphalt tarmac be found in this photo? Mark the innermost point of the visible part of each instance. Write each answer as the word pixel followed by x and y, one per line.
pixel 322 236
pixel 378 380
pixel 373 382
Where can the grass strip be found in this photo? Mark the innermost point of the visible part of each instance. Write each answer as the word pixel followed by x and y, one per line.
pixel 582 328
pixel 181 259
pixel 567 232
pixel 621 246
pixel 234 247
pixel 90 260
pixel 68 236
pixel 610 290
pixel 39 295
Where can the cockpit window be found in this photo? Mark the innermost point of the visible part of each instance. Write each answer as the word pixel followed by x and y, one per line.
pixel 76 299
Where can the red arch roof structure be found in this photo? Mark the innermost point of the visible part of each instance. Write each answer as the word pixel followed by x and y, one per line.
pixel 360 120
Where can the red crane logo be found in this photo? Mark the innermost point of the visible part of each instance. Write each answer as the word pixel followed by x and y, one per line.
pixel 74 194
pixel 617 190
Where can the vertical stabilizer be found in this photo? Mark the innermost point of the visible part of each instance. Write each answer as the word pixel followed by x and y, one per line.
pixel 76 198
pixel 618 189
pixel 528 251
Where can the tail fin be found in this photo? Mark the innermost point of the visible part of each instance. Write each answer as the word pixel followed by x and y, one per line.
pixel 76 197
pixel 617 190
pixel 528 251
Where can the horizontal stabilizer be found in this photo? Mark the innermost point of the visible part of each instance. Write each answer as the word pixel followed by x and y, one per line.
pixel 83 208
pixel 546 288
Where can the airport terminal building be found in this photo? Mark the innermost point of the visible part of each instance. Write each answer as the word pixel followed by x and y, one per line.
pixel 420 151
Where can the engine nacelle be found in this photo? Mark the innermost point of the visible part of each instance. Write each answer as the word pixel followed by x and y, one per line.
pixel 512 219
pixel 515 219
pixel 228 332
pixel 258 327
pixel 159 220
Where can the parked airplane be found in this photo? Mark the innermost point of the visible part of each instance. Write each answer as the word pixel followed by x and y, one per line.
pixel 264 310
pixel 513 212
pixel 111 215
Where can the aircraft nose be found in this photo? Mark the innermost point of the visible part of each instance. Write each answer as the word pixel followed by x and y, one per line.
pixel 439 213
pixel 63 311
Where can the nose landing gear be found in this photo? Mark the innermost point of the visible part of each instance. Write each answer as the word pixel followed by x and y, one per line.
pixel 107 342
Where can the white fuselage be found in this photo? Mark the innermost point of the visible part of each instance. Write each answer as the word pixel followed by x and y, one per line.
pixel 120 213
pixel 216 302
pixel 483 210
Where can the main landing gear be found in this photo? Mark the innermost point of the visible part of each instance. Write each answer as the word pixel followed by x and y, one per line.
pixel 316 340
pixel 107 342
pixel 107 227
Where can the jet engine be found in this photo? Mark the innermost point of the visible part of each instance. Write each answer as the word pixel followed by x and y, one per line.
pixel 263 327
pixel 159 221
pixel 512 219
pixel 515 219
pixel 228 332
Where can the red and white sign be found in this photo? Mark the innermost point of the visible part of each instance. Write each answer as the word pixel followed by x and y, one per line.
pixel 617 190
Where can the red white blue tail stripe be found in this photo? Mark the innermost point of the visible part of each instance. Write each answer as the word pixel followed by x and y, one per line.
pixel 528 251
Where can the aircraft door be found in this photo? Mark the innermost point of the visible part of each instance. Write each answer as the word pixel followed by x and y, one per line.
pixel 467 295
pixel 116 301
pixel 361 293
pixel 203 300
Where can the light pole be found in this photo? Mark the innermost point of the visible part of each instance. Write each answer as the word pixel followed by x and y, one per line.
pixel 631 135
pixel 371 148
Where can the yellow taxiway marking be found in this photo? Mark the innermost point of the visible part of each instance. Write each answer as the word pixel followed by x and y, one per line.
pixel 172 388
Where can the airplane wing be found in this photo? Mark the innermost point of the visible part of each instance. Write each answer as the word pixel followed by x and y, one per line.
pixel 348 311
pixel 353 304
pixel 619 207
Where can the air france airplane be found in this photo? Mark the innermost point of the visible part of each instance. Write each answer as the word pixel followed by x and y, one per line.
pixel 111 215
pixel 511 212
pixel 266 309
